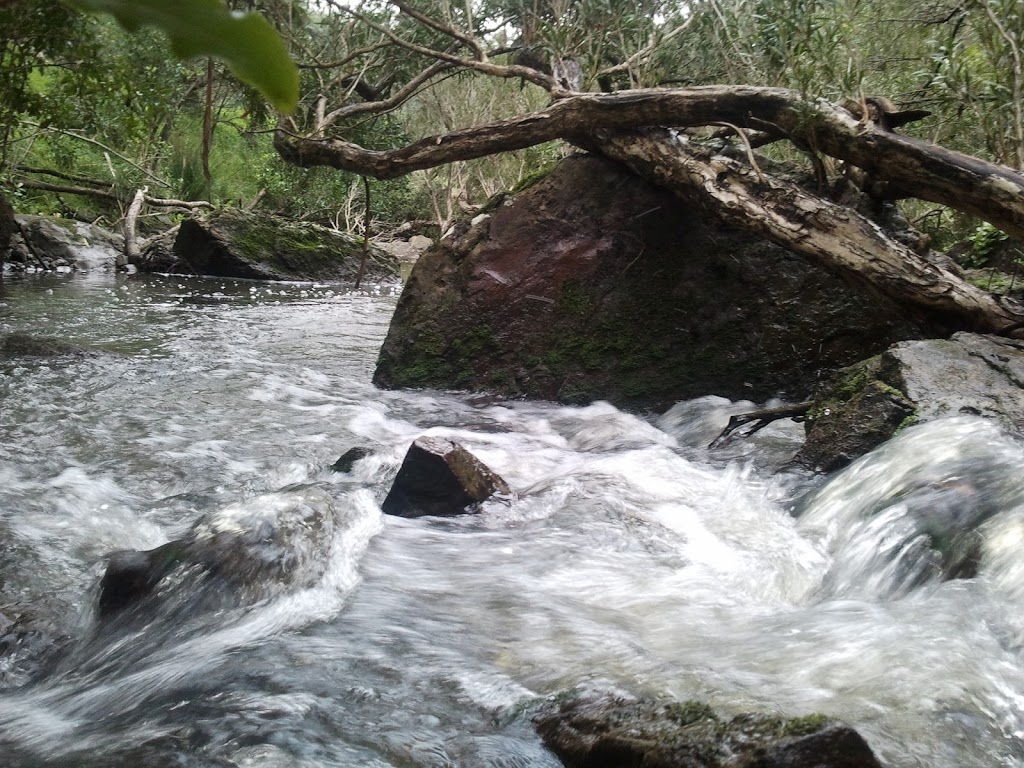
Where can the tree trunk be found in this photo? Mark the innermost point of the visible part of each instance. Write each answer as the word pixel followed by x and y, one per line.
pixel 7 227
pixel 131 243
pixel 990 191
pixel 633 127
pixel 835 236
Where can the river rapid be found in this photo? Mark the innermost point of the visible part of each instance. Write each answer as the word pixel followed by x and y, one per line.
pixel 633 558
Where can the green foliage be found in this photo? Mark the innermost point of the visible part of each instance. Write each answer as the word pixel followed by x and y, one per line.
pixel 983 242
pixel 251 47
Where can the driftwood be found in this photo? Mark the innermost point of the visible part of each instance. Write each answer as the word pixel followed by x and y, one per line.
pixel 758 420
pixel 131 245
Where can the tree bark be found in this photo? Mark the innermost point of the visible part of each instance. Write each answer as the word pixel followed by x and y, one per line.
pixel 989 191
pixel 8 226
pixel 833 235
pixel 131 244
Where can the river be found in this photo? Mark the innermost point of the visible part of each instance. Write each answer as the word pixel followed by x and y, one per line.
pixel 632 558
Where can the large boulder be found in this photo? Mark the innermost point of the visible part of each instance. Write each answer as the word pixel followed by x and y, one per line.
pixel 233 243
pixel 610 731
pixel 63 244
pixel 593 284
pixel 865 404
pixel 439 477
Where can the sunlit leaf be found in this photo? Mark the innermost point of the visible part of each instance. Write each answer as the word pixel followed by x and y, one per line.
pixel 247 42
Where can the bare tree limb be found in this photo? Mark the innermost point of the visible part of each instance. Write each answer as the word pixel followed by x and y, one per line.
pixel 992 192
pixel 834 236
pixel 385 105
pixel 467 40
pixel 131 245
pixel 160 202
pixel 529 74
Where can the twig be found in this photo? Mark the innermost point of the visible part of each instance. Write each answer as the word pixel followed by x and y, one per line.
pixel 761 419
pixel 102 146
pixel 746 143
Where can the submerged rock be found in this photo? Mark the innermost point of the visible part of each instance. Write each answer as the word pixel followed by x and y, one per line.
pixel 252 548
pixel 234 243
pixel 609 731
pixel 348 459
pixel 939 501
pixel 20 346
pixel 31 639
pixel 912 382
pixel 440 477
pixel 594 285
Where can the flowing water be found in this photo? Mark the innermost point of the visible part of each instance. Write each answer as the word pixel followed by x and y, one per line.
pixel 631 559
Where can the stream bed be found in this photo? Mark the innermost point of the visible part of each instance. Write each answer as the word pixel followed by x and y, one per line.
pixel 632 559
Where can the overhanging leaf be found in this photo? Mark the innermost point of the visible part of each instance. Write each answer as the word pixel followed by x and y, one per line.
pixel 248 43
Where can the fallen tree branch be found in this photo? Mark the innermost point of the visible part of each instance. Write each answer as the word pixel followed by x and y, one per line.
pixel 72 177
pixel 159 202
pixel 104 147
pixel 130 254
pixel 992 192
pixel 759 420
pixel 833 235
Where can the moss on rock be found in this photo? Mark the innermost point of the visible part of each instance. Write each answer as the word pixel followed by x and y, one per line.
pixel 234 243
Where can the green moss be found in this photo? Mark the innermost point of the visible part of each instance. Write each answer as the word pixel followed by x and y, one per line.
pixel 574 299
pixel 805 726
pixel 688 712
pixel 532 178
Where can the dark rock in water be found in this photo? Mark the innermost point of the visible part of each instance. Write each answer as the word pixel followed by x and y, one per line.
pixel 157 254
pixel 258 247
pixel 131 575
pixel 55 243
pixel 253 548
pixel 440 477
pixel 912 382
pixel 609 731
pixel 594 285
pixel 17 346
pixel 349 458
pixel 31 639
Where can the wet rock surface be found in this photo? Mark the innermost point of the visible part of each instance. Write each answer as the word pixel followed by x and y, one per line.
pixel 611 731
pixel 31 640
pixel 594 285
pixel 20 346
pixel 249 549
pixel 257 247
pixel 348 459
pixel 43 242
pixel 440 477
pixel 912 382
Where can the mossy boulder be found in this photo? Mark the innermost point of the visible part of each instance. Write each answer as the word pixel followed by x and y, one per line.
pixel 611 731
pixel 253 246
pixel 862 406
pixel 593 284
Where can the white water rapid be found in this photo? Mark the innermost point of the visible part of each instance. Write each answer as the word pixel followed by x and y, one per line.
pixel 633 558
